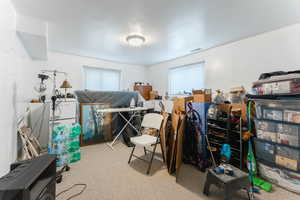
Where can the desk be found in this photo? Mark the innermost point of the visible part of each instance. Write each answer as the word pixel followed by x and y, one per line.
pixel 134 110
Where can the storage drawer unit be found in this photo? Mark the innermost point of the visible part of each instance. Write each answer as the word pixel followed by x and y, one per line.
pixel 266 130
pixel 289 134
pixel 279 114
pixel 288 157
pixel 265 151
pixel 279 132
pixel 279 110
pixel 284 178
pixel 278 155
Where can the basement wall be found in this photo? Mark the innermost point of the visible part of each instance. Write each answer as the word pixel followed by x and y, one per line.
pixel 238 63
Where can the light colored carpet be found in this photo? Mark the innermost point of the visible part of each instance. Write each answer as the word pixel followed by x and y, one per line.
pixel 109 177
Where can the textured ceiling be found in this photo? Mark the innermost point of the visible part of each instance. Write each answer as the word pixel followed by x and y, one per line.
pixel 98 28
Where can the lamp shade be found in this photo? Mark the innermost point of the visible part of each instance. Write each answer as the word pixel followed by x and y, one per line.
pixel 66 84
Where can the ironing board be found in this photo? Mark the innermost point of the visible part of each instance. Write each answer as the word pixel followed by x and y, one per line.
pixel 134 111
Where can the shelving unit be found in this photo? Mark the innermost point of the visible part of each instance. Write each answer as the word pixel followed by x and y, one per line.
pixel 277 144
pixel 220 131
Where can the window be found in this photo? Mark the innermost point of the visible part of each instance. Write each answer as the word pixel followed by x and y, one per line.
pixel 186 78
pixel 101 79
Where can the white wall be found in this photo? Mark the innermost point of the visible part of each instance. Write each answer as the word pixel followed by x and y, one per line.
pixel 16 81
pixel 235 64
pixel 239 63
pixel 73 65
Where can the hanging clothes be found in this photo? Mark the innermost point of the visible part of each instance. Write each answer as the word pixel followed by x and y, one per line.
pixel 191 138
pixel 194 146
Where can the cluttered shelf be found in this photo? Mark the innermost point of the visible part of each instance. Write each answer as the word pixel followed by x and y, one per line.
pixel 220 144
pixel 225 127
pixel 276 100
pixel 214 126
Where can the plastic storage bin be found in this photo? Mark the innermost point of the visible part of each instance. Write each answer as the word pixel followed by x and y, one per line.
pixel 278 132
pixel 265 151
pixel 266 130
pixel 292 116
pixel 284 178
pixel 272 114
pixel 288 134
pixel 66 144
pixel 284 84
pixel 279 110
pixel 288 157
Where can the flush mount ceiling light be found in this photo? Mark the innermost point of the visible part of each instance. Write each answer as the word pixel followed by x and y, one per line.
pixel 135 40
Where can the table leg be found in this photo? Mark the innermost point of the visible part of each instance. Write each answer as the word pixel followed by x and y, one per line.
pixel 207 184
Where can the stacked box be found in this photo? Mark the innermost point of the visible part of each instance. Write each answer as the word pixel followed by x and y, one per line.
pixel 74 144
pixel 277 101
pixel 66 144
pixel 284 117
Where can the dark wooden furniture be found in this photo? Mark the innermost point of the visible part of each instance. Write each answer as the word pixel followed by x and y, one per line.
pixel 144 90
pixel 231 184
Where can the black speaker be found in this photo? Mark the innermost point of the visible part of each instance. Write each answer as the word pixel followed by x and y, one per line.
pixel 30 180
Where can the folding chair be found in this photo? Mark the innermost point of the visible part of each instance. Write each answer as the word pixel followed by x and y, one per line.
pixel 150 121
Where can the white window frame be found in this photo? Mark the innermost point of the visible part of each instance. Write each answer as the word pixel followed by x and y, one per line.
pixel 100 68
pixel 202 63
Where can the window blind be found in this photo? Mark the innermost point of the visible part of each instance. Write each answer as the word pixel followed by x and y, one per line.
pixel 101 79
pixel 186 78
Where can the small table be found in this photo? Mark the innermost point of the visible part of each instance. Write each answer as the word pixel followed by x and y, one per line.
pixel 231 184
pixel 134 110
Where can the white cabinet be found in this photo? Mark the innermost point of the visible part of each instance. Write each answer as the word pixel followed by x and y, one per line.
pixel 40 117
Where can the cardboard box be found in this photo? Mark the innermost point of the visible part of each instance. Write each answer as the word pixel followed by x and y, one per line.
pixel 203 98
pixel 242 108
pixel 153 94
pixel 179 103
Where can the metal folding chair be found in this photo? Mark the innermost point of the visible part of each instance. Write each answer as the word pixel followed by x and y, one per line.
pixel 150 121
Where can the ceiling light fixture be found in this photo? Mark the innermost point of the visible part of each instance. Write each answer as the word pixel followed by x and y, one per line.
pixel 135 40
